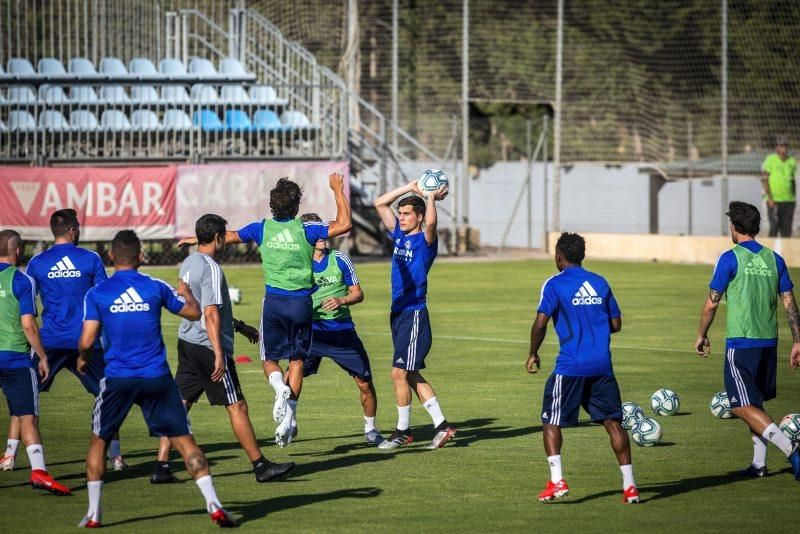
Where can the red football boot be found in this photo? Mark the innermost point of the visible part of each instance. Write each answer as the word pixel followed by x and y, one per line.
pixel 554 491
pixel 42 480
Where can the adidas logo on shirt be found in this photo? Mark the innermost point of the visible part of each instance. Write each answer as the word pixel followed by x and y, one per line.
pixel 586 295
pixel 283 241
pixel 758 267
pixel 64 269
pixel 129 301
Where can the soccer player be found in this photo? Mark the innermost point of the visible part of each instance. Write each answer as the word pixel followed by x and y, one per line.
pixel 286 245
pixel 753 276
pixel 128 306
pixel 413 231
pixel 62 275
pixel 334 333
pixel 18 333
pixel 205 351
pixel 585 314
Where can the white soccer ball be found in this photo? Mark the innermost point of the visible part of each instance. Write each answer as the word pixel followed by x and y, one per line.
pixel 235 294
pixel 631 412
pixel 432 180
pixel 646 432
pixel 720 406
pixel 665 402
pixel 790 426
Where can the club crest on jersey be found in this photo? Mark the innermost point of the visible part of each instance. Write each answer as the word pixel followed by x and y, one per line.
pixel 586 295
pixel 129 301
pixel 64 268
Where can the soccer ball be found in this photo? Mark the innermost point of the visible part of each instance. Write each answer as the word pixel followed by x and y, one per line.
pixel 665 402
pixel 720 406
pixel 790 426
pixel 646 432
pixel 432 180
pixel 631 412
pixel 235 294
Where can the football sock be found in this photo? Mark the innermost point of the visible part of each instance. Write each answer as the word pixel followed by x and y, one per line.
pixel 260 465
pixel 208 491
pixel 627 476
pixel 773 434
pixel 369 424
pixel 36 456
pixel 95 490
pixel 291 410
pixel 555 468
pixel 403 417
pixel 432 405
pixel 276 381
pixel 114 449
pixel 759 451
pixel 11 447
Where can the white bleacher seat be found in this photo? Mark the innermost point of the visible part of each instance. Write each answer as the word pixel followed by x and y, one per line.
pixel 21 94
pixel 83 120
pixel 205 94
pixel 144 119
pixel 144 94
pixel 202 67
pixel 115 121
pixel 52 94
pixel 83 94
pixel 234 94
pixel 177 119
pixel 141 66
pixel 175 94
pixel 3 127
pixel 50 66
pixel 21 121
pixel 264 94
pixel 2 97
pixel 53 120
pixel 232 67
pixel 20 66
pixel 82 67
pixel 112 66
pixel 295 119
pixel 114 94
pixel 172 67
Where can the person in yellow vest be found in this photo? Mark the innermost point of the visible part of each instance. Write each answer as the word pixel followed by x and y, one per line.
pixel 777 179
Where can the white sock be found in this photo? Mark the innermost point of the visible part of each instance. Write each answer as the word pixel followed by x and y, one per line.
pixel 759 451
pixel 369 424
pixel 627 476
pixel 774 434
pixel 432 405
pixel 208 491
pixel 291 410
pixel 95 489
pixel 114 449
pixel 36 456
pixel 403 417
pixel 11 447
pixel 276 381
pixel 555 468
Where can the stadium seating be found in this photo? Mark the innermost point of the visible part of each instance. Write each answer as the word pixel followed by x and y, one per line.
pixel 19 66
pixel 3 127
pixel 21 121
pixel 82 67
pixel 112 66
pixel 143 67
pixel 207 120
pixel 234 94
pixel 50 66
pixel 144 119
pixel 237 120
pixel 114 94
pixel 144 94
pixel 52 94
pixel 82 120
pixel 177 119
pixel 114 120
pixel 267 120
pixel 53 121
pixel 83 94
pixel 204 94
pixel 21 94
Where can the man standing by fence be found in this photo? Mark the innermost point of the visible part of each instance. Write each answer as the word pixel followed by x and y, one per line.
pixel 777 179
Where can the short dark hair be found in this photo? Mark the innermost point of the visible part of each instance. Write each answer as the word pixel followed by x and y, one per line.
pixel 62 221
pixel 208 227
pixel 745 218
pixel 572 247
pixel 284 199
pixel 416 203
pixel 126 247
pixel 9 240
pixel 310 217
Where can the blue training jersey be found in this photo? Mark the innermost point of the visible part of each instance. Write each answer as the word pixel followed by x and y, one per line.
pixel 412 258
pixel 23 289
pixel 128 306
pixel 255 232
pixel 349 278
pixel 582 306
pixel 725 272
pixel 63 274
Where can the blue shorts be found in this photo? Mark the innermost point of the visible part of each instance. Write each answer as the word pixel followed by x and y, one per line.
pixel 21 388
pixel 343 347
pixel 411 336
pixel 59 359
pixel 286 327
pixel 158 398
pixel 750 375
pixel 564 395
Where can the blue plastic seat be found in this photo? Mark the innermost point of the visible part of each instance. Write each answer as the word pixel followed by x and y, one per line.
pixel 207 120
pixel 267 120
pixel 237 120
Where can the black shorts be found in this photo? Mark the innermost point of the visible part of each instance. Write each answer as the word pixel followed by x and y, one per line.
pixel 195 365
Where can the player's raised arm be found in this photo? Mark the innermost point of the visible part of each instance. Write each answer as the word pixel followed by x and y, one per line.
pixel 793 315
pixel 231 238
pixel 384 203
pixel 343 222
pixel 702 346
pixel 431 215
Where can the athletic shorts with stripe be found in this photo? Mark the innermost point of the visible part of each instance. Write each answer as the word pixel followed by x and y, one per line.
pixel 411 336
pixel 195 366
pixel 59 359
pixel 21 388
pixel 343 347
pixel 564 396
pixel 286 327
pixel 750 375
pixel 158 398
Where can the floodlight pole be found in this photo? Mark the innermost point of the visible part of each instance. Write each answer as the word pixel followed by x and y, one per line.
pixel 395 15
pixel 557 120
pixel 464 196
pixel 724 116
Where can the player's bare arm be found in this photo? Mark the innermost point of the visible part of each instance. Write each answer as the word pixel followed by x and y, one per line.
pixel 343 222
pixel 538 332
pixel 211 316
pixel 793 315
pixel 384 203
pixel 231 238
pixel 702 346
pixel 767 191
pixel 86 343
pixel 191 308
pixel 250 332
pixel 431 216
pixel 616 325
pixel 31 330
pixel 354 296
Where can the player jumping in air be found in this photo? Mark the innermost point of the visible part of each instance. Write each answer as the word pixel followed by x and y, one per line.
pixel 753 276
pixel 18 333
pixel 413 232
pixel 128 306
pixel 205 351
pixel 585 314
pixel 62 275
pixel 287 246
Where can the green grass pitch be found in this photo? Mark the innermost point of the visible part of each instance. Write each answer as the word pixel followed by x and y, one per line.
pixel 487 480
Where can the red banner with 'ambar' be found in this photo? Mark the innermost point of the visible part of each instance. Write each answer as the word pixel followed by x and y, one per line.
pixel 107 200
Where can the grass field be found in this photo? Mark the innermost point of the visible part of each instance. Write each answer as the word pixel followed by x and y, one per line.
pixel 487 480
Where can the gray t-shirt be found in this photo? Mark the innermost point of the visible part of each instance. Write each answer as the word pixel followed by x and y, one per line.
pixel 207 282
